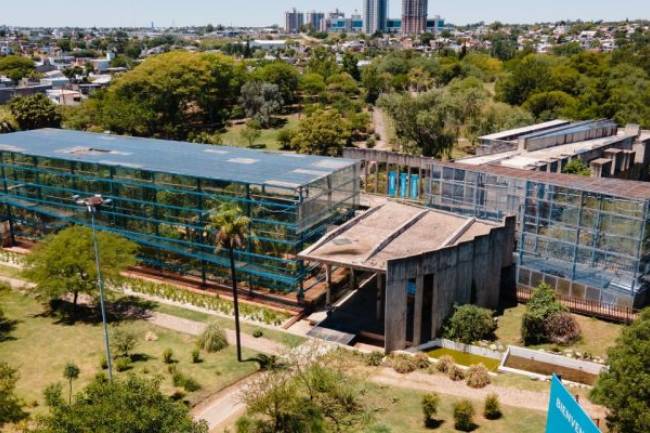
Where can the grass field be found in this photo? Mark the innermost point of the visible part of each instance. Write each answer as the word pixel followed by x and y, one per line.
pixel 268 138
pixel 401 411
pixel 39 346
pixel 597 335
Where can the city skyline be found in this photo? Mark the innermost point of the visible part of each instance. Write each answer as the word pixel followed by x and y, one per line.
pixel 200 12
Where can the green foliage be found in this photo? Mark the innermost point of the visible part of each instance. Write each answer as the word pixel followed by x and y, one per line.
pixel 375 359
pixel 213 338
pixel 551 105
pixel 53 395
pixel 577 166
pixel 16 67
pixel 625 387
pixel 261 100
pixel 196 356
pixel 250 133
pixel 168 356
pixel 187 383
pixel 258 333
pixel 103 362
pixel 464 416
pixel 10 406
pixel 71 373
pixel 34 112
pixel 542 305
pixel 7 121
pixel 122 364
pixel 527 76
pixel 282 75
pixel 470 323
pixel 123 342
pixel 323 132
pixel 430 403
pixel 102 406
pixel 65 262
pixel 478 376
pixel 492 409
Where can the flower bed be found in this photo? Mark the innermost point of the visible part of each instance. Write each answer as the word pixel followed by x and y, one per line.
pixel 214 303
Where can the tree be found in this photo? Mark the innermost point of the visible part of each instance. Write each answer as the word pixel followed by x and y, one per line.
pixel 624 388
pixel 547 106
pixel 65 263
pixel 232 229
pixel 250 133
pixel 34 112
pixel 261 100
pixel 351 65
pixel 281 74
pixel 313 85
pixel 464 416
pixel 124 342
pixel 16 67
pixel 530 75
pixel 131 405
pixel 469 324
pixel 541 313
pixel 323 62
pixel 70 373
pixel 10 406
pixel 324 132
pixel 577 166
pixel 430 404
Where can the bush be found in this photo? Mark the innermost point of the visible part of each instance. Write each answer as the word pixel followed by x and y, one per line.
pixel 196 356
pixel 430 408
pixel 478 376
pixel 455 373
pixel 470 323
pixel 422 361
pixel 402 364
pixel 562 328
pixel 124 342
pixel 257 333
pixel 492 408
pixel 186 382
pixel 103 363
pixel 464 416
pixel 213 339
pixel 542 305
pixel 122 364
pixel 445 363
pixel 374 359
pixel 168 356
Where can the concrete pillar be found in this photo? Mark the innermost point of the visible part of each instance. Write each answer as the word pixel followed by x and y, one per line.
pixel 328 282
pixel 395 314
pixel 376 177
pixel 381 295
pixel 353 279
pixel 418 310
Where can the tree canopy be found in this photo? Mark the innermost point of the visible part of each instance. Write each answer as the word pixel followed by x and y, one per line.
pixel 16 67
pixel 10 406
pixel 34 112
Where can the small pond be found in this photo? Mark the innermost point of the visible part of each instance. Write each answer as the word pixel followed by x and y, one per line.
pixel 466 359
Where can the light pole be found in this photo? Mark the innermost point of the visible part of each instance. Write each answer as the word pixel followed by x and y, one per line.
pixel 92 204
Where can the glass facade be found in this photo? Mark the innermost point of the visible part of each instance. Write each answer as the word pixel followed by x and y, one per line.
pixel 167 214
pixel 585 244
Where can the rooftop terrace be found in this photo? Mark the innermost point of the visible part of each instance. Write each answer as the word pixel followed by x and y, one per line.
pixel 233 164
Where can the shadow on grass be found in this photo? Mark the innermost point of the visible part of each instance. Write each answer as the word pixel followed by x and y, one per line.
pixel 124 309
pixel 468 428
pixel 433 424
pixel 6 327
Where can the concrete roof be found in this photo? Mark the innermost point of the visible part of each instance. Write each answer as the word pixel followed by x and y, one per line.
pixel 393 231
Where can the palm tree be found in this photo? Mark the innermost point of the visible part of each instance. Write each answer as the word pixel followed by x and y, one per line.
pixel 70 372
pixel 232 228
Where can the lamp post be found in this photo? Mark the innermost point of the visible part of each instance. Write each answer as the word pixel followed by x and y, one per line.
pixel 92 204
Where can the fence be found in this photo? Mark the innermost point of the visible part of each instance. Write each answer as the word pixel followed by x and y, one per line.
pixel 587 308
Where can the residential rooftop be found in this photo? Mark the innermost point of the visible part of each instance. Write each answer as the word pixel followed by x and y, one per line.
pixel 224 163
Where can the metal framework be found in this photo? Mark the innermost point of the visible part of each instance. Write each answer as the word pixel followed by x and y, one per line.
pixel 167 214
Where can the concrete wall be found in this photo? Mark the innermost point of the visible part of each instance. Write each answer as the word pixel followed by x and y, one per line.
pixel 469 272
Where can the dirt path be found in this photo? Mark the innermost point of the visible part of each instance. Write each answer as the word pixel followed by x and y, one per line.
pixel 379 121
pixel 509 396
pixel 192 327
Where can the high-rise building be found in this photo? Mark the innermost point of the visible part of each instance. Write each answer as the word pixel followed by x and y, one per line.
pixel 293 21
pixel 314 20
pixel 414 16
pixel 375 15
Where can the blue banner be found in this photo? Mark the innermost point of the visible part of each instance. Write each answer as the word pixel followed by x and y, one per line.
pixel 404 185
pixel 565 414
pixel 415 187
pixel 392 183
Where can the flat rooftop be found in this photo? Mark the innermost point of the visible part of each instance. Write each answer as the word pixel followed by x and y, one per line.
pixel 224 163
pixel 393 231
pixel 514 133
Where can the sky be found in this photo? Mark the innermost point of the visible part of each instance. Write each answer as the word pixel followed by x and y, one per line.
pixel 131 13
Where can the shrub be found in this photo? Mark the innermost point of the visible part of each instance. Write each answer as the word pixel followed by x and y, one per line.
pixel 122 364
pixel 257 333
pixel 562 328
pixel 455 373
pixel 213 339
pixel 464 416
pixel 186 382
pixel 374 359
pixel 478 376
pixel 430 407
pixel 445 363
pixel 124 342
pixel 168 356
pixel 492 408
pixel 542 305
pixel 196 356
pixel 402 364
pixel 103 363
pixel 470 323
pixel 422 361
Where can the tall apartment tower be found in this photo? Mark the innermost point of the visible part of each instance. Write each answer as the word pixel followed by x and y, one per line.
pixel 315 20
pixel 293 21
pixel 414 16
pixel 375 16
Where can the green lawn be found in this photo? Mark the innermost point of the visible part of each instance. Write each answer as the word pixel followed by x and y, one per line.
pixel 268 138
pixel 39 347
pixel 597 335
pixel 401 411
pixel 285 338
